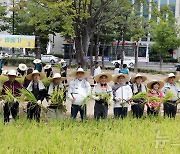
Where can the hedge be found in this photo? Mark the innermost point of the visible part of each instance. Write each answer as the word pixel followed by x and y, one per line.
pixel 17 61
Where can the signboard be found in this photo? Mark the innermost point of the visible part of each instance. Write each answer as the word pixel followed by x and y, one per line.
pixel 17 41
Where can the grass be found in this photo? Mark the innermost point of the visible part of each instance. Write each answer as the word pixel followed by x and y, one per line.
pixel 106 136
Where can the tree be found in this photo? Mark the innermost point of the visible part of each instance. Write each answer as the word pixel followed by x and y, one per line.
pixel 41 18
pixel 89 14
pixel 2 17
pixel 165 33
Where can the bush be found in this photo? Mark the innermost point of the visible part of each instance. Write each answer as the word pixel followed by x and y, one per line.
pixel 17 61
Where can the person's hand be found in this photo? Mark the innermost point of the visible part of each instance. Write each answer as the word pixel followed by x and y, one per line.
pixel 49 102
pixel 73 100
pixel 39 102
pixel 96 98
pixel 117 99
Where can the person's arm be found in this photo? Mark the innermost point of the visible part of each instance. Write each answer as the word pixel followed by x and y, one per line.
pixel 88 88
pixel 70 91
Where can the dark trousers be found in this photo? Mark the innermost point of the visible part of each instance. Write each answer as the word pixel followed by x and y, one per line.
pixel 78 108
pixel 137 110
pixel 10 108
pixel 100 111
pixel 151 111
pixel 33 111
pixel 170 110
pixel 120 112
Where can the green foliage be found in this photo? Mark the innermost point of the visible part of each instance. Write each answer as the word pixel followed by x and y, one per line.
pixel 17 61
pixel 140 96
pixel 9 97
pixel 168 96
pixel 106 97
pixel 27 96
pixel 57 99
pixel 129 135
pixel 164 33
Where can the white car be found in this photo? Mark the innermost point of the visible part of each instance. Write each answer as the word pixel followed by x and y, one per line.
pixel 49 59
pixel 128 61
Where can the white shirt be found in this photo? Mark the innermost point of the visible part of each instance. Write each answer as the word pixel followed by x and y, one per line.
pixel 79 90
pixel 116 71
pixel 172 87
pixel 124 93
pixel 97 71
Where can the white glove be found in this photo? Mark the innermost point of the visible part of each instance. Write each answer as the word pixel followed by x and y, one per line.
pixel 39 102
pixel 117 99
pixel 49 102
pixel 45 104
pixel 96 98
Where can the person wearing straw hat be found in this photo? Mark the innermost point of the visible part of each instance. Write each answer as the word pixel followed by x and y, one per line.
pixel 22 68
pixel 102 88
pixel 26 81
pixel 122 94
pixel 64 72
pixel 48 70
pixel 154 87
pixel 13 85
pixel 55 84
pixel 37 65
pixel 38 89
pixel 170 107
pixel 78 90
pixel 137 87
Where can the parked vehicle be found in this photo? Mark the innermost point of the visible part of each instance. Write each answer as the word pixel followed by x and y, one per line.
pixel 49 59
pixel 128 61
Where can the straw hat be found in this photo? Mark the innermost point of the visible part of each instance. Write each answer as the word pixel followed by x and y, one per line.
pixel 62 61
pixel 144 78
pixel 30 76
pixel 172 75
pixel 4 72
pixel 22 67
pixel 149 85
pixel 73 74
pixel 36 61
pixel 97 77
pixel 115 78
pixel 11 73
pixel 47 66
pixel 57 76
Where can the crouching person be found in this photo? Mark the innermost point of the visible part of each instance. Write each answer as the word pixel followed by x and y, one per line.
pixel 37 88
pixel 121 95
pixel 55 84
pixel 14 86
pixel 102 95
pixel 170 107
pixel 78 90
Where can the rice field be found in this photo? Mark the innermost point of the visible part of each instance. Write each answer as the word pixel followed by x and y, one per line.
pixel 111 136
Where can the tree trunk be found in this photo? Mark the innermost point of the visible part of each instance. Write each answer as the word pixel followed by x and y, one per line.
pixel 117 48
pixel 91 55
pixel 136 57
pixel 97 46
pixel 122 53
pixel 38 51
pixel 161 62
pixel 70 55
pixel 103 51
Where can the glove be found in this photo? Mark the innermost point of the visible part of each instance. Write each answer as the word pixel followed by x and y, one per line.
pixel 49 102
pixel 96 98
pixel 45 104
pixel 117 99
pixel 39 102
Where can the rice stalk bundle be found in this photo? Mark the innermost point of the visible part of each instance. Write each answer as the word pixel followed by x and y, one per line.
pixel 106 97
pixel 168 96
pixel 86 99
pixel 27 96
pixel 57 99
pixel 143 96
pixel 9 97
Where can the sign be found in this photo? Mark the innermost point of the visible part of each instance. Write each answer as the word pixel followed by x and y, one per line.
pixel 17 41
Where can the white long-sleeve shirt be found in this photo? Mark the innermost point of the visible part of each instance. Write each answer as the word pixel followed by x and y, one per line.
pixel 97 71
pixel 124 93
pixel 78 90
